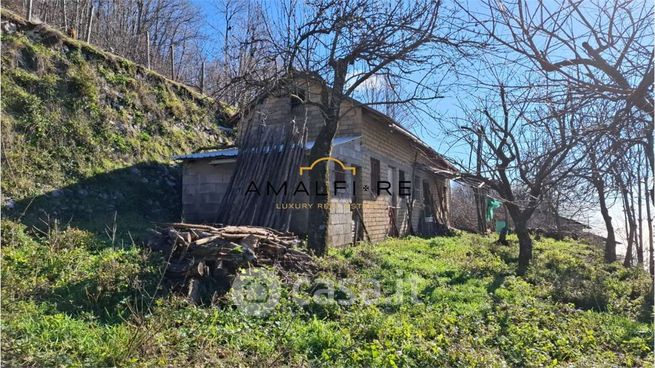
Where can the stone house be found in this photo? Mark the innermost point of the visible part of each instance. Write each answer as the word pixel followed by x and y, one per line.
pixel 377 147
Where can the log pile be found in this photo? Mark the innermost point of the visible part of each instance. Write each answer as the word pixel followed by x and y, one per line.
pixel 203 259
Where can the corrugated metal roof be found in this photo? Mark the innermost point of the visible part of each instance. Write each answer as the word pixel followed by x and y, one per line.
pixel 234 151
pixel 226 152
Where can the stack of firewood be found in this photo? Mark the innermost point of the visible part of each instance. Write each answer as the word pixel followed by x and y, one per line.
pixel 203 259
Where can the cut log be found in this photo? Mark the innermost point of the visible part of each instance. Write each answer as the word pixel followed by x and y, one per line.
pixel 216 254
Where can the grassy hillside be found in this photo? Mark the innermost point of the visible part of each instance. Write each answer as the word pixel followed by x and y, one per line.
pixel 86 144
pixel 88 136
pixel 444 302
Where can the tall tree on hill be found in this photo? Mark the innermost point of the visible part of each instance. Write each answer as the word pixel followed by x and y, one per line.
pixel 342 45
pixel 527 149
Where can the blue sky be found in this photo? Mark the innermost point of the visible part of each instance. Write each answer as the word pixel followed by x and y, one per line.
pixel 426 128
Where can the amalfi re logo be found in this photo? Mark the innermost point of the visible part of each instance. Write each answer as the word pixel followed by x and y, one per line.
pixel 352 169
pixel 337 187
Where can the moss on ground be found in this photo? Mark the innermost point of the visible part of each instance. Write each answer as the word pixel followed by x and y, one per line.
pixel 68 299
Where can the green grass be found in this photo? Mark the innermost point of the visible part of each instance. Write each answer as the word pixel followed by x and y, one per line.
pixel 87 136
pixel 70 298
pixel 86 144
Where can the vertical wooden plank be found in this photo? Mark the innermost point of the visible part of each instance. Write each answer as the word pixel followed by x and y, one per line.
pixel 202 77
pixel 89 24
pixel 172 63
pixel 63 4
pixel 29 10
pixel 148 49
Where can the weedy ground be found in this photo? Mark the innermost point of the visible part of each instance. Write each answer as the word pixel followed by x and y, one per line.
pixel 71 299
pixel 87 139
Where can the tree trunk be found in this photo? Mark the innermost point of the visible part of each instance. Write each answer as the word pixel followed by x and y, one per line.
pixel 525 246
pixel 640 227
pixel 610 241
pixel 649 224
pixel 629 228
pixel 319 215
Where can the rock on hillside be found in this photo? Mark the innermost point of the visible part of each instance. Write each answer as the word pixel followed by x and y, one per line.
pixel 88 136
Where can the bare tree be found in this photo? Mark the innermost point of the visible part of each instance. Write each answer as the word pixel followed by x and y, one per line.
pixel 244 61
pixel 527 150
pixel 594 50
pixel 342 45
pixel 120 27
pixel 599 175
pixel 592 53
pixel 462 213
pixel 604 148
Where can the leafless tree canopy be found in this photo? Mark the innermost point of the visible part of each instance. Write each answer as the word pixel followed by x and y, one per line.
pixel 122 27
pixel 526 149
pixel 590 62
pixel 592 50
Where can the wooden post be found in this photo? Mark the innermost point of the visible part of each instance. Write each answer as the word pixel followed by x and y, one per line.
pixel 148 49
pixel 89 24
pixel 76 21
pixel 172 64
pixel 29 10
pixel 63 5
pixel 202 77
pixel 649 223
pixel 480 201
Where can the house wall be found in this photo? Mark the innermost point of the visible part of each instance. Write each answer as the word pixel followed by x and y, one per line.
pixel 340 228
pixel 203 187
pixel 395 151
pixel 280 111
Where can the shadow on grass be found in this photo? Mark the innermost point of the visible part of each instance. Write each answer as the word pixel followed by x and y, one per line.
pixel 129 200
pixel 122 204
pixel 496 283
pixel 107 304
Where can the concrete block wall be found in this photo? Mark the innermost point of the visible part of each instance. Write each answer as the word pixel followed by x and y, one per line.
pixel 203 187
pixel 391 148
pixel 376 218
pixel 340 229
